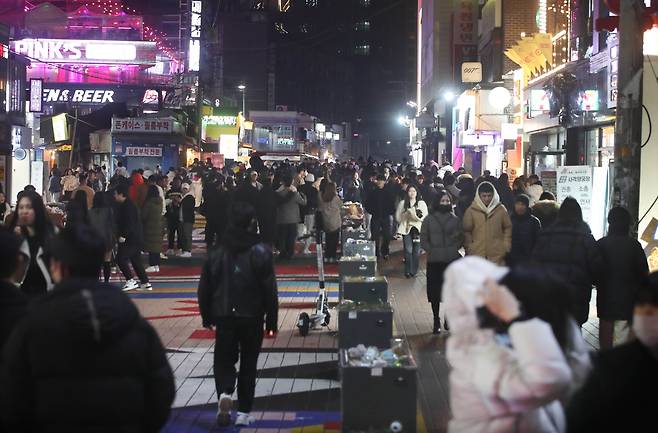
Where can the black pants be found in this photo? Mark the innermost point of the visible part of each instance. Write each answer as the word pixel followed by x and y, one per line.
pixel 213 233
pixel 173 232
pixel 287 235
pixel 380 228
pixel 332 244
pixel 154 259
pixel 238 337
pixel 127 255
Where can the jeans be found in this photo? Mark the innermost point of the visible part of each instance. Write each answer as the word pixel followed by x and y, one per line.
pixel 309 223
pixel 130 255
pixel 380 229
pixel 54 196
pixel 186 238
pixel 287 235
pixel 411 254
pixel 237 338
pixel 154 259
pixel 331 244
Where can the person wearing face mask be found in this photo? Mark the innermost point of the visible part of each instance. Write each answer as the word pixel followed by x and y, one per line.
pixel 441 236
pixel 620 393
pixel 516 352
pixel 487 226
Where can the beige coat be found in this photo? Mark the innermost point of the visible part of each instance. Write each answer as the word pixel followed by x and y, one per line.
pixel 407 218
pixel 487 230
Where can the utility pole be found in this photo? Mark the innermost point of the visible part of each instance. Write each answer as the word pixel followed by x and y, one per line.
pixel 628 125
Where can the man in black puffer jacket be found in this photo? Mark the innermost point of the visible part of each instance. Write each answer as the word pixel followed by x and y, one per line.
pixel 236 291
pixel 83 359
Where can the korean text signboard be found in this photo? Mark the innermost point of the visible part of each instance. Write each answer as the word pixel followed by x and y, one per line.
pixel 576 181
pixel 144 151
pixel 465 33
pixel 141 125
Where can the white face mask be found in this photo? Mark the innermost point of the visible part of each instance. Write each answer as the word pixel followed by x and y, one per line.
pixel 645 327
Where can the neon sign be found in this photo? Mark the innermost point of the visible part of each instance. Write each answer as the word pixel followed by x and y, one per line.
pixel 88 96
pixel 194 52
pixel 87 52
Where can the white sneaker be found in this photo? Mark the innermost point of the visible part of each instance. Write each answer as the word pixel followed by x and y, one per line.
pixel 130 285
pixel 163 256
pixel 224 406
pixel 185 254
pixel 244 419
pixel 306 252
pixel 152 269
pixel 146 286
pixel 171 252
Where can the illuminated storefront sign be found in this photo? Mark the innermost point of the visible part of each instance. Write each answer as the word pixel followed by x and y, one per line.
pixel 36 95
pixel 85 94
pixel 194 52
pixel 220 120
pixel 87 52
pixel 144 151
pixel 136 124
pixel 78 95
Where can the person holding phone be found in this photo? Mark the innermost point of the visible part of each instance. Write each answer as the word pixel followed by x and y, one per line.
pixel 514 356
pixel 410 214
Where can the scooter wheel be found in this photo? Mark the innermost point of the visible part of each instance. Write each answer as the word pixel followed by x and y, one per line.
pixel 303 323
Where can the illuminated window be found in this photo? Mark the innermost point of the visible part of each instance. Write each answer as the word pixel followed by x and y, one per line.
pixel 362 50
pixel 311 3
pixel 279 27
pixel 365 3
pixel 362 26
pixel 284 5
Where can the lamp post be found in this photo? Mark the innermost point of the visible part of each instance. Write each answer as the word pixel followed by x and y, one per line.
pixel 243 89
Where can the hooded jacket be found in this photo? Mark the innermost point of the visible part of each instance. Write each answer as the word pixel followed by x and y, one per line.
pixel 498 388
pixel 487 229
pixel 238 280
pixel 84 360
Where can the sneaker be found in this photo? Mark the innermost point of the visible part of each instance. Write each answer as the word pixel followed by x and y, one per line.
pixel 146 286
pixel 185 254
pixel 131 284
pixel 163 256
pixel 244 419
pixel 170 252
pixel 224 407
pixel 152 269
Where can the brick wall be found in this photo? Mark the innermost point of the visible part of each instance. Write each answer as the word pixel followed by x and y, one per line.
pixel 518 16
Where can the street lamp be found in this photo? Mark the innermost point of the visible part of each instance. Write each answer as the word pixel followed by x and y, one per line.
pixel 448 95
pixel 243 89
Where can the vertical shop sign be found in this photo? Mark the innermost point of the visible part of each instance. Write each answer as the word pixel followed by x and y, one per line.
pixel 194 52
pixel 465 34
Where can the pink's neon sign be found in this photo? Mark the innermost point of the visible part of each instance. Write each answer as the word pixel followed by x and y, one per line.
pixel 87 52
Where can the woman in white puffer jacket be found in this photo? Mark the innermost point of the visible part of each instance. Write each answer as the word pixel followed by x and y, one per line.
pixel 509 373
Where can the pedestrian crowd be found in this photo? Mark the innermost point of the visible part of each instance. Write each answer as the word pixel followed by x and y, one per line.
pixel 511 268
